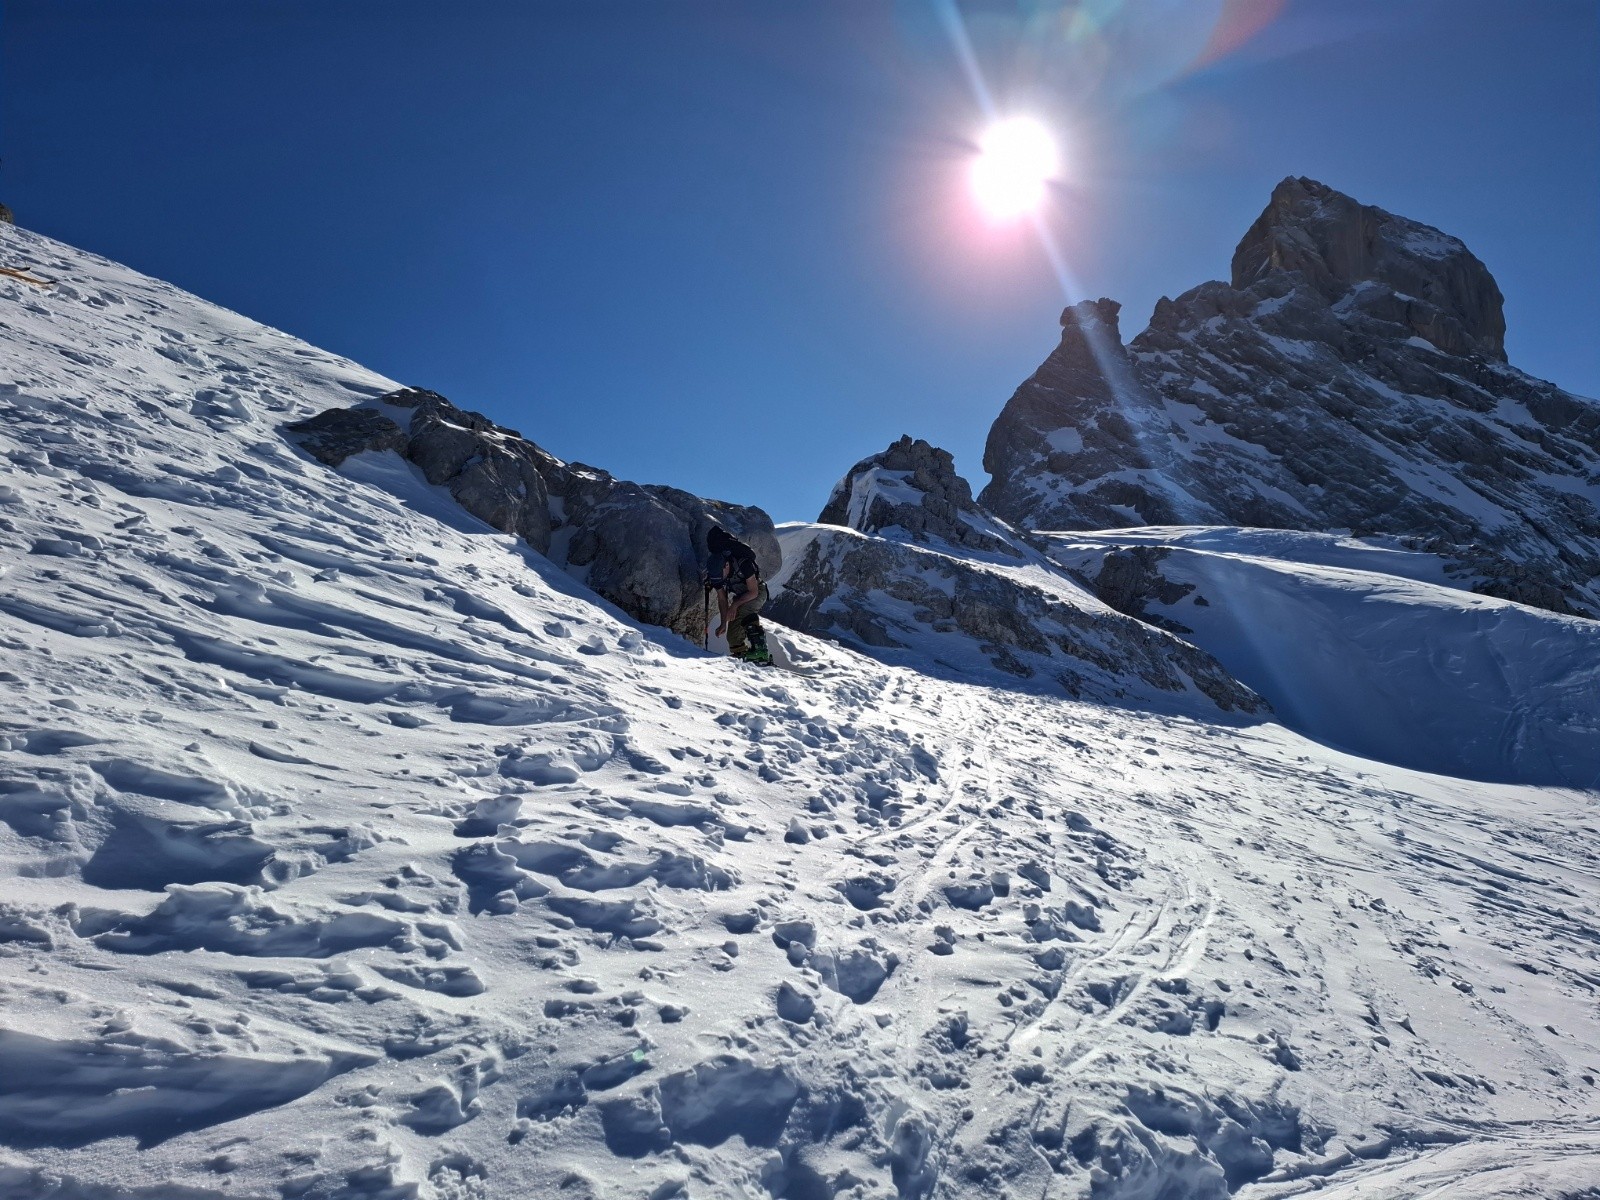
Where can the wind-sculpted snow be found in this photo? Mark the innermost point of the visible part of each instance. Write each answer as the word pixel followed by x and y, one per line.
pixel 350 849
pixel 1369 647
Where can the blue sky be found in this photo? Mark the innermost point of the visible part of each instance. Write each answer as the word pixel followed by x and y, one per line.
pixel 728 245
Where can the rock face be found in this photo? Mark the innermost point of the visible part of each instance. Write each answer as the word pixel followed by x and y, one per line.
pixel 638 545
pixel 904 602
pixel 912 487
pixel 1336 244
pixel 1351 376
pixel 906 563
pixel 1130 580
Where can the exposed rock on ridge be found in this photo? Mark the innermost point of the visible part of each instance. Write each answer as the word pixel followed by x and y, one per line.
pixel 1082 444
pixel 1129 579
pixel 929 572
pixel 1350 377
pixel 912 487
pixel 638 545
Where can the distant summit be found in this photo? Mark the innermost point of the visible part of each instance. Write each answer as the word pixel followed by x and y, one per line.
pixel 1337 245
pixel 1350 377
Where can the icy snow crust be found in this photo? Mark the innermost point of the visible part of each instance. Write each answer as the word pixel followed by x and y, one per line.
pixel 349 850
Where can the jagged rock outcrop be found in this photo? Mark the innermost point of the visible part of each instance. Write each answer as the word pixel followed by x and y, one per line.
pixel 638 545
pixel 1351 376
pixel 1336 244
pixel 912 487
pixel 904 562
pixel 1130 580
pixel 912 603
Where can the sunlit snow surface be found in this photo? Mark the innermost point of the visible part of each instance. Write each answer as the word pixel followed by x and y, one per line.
pixel 348 849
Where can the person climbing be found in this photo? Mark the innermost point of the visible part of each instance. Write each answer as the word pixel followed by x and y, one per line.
pixel 732 570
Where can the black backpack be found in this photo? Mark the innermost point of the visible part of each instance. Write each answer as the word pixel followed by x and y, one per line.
pixel 725 548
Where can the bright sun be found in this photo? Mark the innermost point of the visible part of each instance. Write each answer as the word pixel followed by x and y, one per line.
pixel 1016 161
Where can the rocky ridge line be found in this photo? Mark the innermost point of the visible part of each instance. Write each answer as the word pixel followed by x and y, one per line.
pixel 1350 377
pixel 638 545
pixel 902 559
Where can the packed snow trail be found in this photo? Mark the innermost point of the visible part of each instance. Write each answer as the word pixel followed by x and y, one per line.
pixel 348 849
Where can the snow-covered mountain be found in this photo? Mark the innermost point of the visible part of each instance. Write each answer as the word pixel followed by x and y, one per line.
pixel 350 847
pixel 1350 379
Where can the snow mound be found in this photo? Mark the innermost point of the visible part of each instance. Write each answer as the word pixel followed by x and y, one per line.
pixel 1371 649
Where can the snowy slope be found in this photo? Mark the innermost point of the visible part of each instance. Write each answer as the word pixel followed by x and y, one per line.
pixel 348 849
pixel 1371 648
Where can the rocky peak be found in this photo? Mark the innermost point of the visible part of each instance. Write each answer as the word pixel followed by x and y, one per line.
pixel 912 486
pixel 1338 244
pixel 1082 415
pixel 1351 377
pixel 1089 333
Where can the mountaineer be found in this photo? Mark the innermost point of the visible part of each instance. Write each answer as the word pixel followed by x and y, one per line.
pixel 731 569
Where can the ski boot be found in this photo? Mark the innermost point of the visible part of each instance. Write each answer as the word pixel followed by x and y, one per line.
pixel 756 654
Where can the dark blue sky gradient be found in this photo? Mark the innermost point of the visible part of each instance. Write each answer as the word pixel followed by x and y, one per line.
pixel 728 245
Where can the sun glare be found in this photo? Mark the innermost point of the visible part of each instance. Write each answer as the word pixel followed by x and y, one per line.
pixel 1016 160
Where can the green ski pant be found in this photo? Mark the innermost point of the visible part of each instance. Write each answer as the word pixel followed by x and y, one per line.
pixel 744 625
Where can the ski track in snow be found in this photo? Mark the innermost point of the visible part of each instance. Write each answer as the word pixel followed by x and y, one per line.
pixel 350 849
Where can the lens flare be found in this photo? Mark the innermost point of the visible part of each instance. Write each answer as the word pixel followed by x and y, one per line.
pixel 1016 161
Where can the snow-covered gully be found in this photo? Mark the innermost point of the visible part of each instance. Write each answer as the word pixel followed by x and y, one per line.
pixel 350 849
